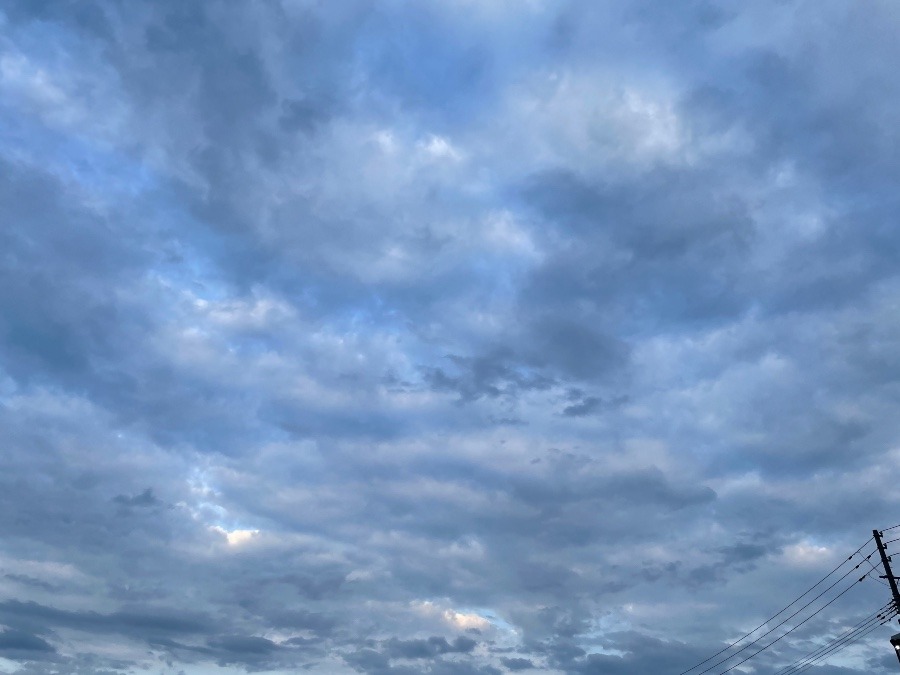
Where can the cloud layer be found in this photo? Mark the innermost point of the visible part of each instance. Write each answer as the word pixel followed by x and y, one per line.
pixel 441 337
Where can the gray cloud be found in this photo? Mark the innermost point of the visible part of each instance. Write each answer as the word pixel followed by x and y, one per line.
pixel 126 621
pixel 517 664
pixel 143 500
pixel 20 645
pixel 453 338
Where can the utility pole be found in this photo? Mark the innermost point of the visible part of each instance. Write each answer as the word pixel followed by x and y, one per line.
pixel 886 563
pixel 892 580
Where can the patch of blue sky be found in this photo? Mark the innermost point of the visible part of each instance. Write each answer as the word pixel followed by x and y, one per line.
pixel 492 616
pixel 424 67
pixel 110 177
pixel 50 43
pixel 100 169
pixel 366 314
pixel 8 387
pixel 500 271
pixel 609 623
pixel 190 261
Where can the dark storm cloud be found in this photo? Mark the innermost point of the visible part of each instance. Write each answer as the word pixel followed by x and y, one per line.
pixel 641 654
pixel 586 406
pixel 368 660
pixel 516 664
pixel 250 653
pixel 17 644
pixel 131 622
pixel 425 655
pixel 452 338
pixel 675 240
pixel 489 376
pixel 423 649
pixel 145 499
pixel 57 314
pixel 257 652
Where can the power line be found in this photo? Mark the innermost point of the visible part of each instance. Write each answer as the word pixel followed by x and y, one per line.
pixel 837 646
pixel 781 611
pixel 827 649
pixel 892 527
pixel 875 569
pixel 784 621
pixel 878 616
pixel 778 639
pixel 838 650
pixel 891 541
pixel 841 647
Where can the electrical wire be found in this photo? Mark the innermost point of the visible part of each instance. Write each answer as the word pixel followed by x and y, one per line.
pixel 885 611
pixel 841 647
pixel 838 646
pixel 831 647
pixel 892 527
pixel 781 611
pixel 891 541
pixel 784 635
pixel 784 621
pixel 875 569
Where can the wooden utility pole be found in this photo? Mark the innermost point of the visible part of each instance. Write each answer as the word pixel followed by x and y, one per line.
pixel 888 574
pixel 892 580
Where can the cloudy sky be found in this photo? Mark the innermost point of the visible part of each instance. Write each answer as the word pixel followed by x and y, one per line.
pixel 454 337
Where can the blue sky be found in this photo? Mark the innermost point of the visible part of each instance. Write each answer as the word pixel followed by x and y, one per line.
pixel 459 337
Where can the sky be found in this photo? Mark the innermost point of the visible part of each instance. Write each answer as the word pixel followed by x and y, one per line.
pixel 456 337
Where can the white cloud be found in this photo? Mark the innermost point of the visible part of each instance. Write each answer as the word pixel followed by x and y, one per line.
pixel 236 538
